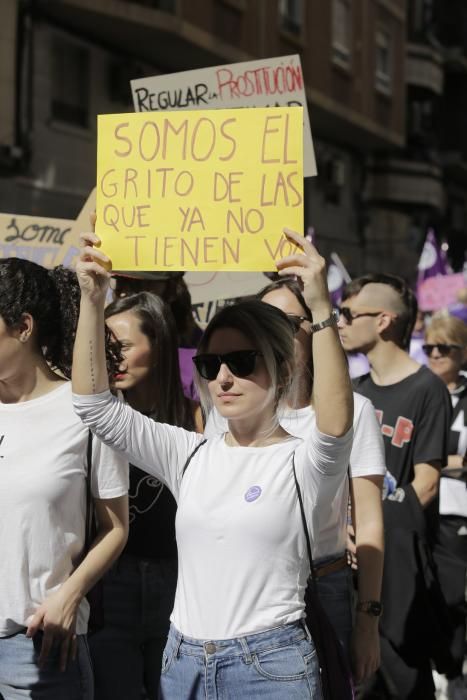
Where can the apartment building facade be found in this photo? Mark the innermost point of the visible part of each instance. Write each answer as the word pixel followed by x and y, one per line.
pixel 65 61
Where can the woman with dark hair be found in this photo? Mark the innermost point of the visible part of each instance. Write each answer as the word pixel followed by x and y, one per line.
pixel 238 625
pixel 172 288
pixel 45 570
pixel 139 590
pixel 366 471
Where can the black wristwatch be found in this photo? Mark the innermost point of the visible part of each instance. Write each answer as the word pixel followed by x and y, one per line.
pixel 371 607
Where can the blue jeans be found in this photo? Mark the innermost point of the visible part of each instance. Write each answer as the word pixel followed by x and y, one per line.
pixel 335 593
pixel 276 664
pixel 21 678
pixel 138 598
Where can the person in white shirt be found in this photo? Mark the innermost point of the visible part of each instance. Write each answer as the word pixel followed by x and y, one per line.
pixel 237 626
pixel 366 472
pixel 45 571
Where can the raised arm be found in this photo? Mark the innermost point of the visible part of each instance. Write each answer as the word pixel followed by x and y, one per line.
pixel 332 391
pixel 159 449
pixel 89 374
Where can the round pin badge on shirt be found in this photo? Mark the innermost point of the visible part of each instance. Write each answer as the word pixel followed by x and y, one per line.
pixel 253 493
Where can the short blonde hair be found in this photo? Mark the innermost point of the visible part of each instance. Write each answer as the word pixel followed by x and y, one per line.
pixel 448 329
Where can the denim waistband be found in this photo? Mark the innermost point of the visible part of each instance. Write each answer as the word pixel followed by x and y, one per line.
pixel 240 646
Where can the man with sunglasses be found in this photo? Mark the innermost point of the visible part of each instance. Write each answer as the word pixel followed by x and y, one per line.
pixel 376 318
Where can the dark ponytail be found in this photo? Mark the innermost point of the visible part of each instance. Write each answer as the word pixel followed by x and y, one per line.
pixel 59 351
pixel 51 298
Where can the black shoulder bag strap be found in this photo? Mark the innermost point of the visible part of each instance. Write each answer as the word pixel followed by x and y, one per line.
pixel 187 463
pixel 96 595
pixel 90 520
pixel 304 522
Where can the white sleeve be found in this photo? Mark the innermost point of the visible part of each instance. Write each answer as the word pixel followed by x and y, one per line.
pixel 323 460
pixel 159 449
pixel 367 457
pixel 109 472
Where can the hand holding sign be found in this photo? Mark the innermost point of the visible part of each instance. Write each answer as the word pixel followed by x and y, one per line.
pixel 91 269
pixel 310 268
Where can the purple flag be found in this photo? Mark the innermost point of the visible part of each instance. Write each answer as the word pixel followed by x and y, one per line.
pixel 444 257
pixel 338 277
pixel 432 261
pixel 336 283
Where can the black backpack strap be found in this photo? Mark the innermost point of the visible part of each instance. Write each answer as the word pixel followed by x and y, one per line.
pixel 304 522
pixel 89 504
pixel 187 463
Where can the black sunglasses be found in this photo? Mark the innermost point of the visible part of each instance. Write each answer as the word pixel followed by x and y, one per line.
pixel 350 316
pixel 241 363
pixel 296 321
pixel 443 348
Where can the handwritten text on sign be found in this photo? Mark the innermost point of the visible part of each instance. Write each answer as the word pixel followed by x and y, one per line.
pixel 269 82
pixel 199 190
pixel 39 239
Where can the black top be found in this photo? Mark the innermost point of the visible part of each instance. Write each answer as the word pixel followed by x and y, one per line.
pixel 152 518
pixel 415 417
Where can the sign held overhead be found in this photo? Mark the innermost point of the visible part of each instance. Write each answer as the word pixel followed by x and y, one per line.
pixel 271 82
pixel 199 190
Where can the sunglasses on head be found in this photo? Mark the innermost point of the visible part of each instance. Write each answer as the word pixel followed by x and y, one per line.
pixel 241 363
pixel 296 321
pixel 443 348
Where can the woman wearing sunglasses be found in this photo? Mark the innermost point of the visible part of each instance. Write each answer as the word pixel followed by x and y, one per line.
pixel 366 470
pixel 237 627
pixel 446 349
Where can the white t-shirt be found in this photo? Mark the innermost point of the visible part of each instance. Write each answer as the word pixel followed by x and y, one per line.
pixel 242 552
pixel 43 465
pixel 366 459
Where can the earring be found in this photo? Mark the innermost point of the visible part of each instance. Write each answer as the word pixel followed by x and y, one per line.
pixel 23 338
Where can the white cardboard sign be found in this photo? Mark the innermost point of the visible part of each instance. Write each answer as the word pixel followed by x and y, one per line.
pixel 270 82
pixel 214 286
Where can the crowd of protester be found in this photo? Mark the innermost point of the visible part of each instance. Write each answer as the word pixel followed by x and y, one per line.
pixel 151 531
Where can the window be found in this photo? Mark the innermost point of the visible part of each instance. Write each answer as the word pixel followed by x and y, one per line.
pixel 420 18
pixel 421 114
pixel 342 30
pixel 70 83
pixel 291 16
pixel 383 71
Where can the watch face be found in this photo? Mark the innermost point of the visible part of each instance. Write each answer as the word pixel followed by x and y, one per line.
pixel 375 609
pixel 371 607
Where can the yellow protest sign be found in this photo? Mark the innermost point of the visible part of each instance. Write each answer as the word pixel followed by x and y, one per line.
pixel 205 190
